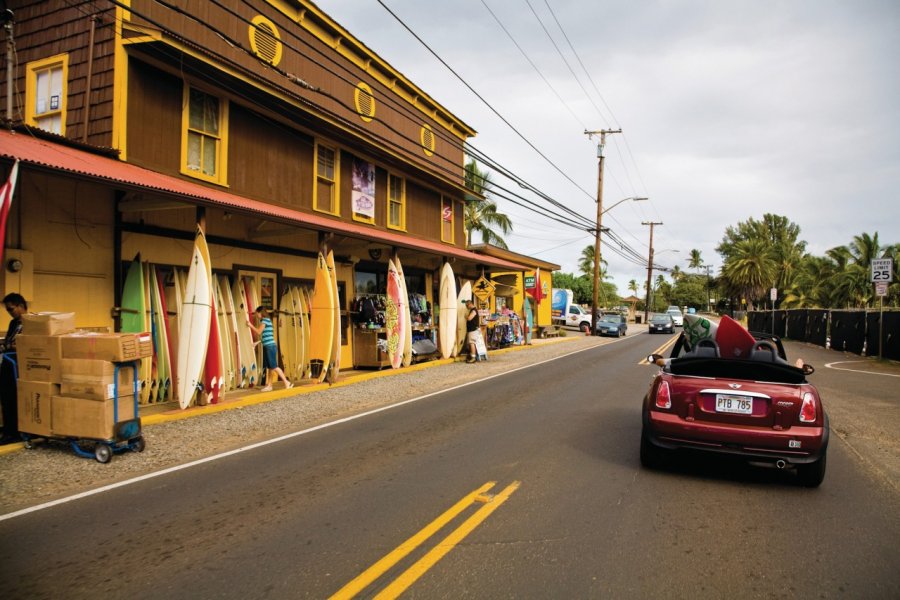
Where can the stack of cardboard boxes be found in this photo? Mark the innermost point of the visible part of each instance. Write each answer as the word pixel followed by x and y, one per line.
pixel 67 384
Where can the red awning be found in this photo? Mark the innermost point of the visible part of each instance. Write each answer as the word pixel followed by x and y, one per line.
pixel 59 157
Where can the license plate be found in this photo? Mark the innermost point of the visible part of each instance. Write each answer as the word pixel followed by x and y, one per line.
pixel 734 404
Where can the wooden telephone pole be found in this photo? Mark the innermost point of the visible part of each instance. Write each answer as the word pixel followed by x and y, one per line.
pixel 596 295
pixel 649 269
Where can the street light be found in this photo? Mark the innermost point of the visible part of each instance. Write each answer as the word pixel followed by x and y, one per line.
pixel 599 229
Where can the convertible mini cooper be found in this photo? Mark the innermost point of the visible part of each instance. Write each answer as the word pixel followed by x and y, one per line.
pixel 759 408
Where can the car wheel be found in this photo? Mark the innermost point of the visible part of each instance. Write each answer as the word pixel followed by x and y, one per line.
pixel 811 475
pixel 651 456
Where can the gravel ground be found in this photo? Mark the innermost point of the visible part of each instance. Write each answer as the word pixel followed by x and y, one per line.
pixel 50 471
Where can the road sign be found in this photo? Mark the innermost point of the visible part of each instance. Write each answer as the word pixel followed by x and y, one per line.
pixel 882 270
pixel 773 294
pixel 881 288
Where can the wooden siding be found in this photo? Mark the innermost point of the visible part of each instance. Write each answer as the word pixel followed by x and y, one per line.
pixel 47 28
pixel 397 124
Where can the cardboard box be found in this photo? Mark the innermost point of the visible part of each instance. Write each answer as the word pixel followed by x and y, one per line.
pixel 113 347
pixel 48 323
pixel 34 400
pixel 95 379
pixel 81 418
pixel 39 357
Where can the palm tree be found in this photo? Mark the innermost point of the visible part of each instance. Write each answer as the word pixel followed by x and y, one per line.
pixel 481 215
pixel 586 264
pixel 677 273
pixel 750 270
pixel 633 286
pixel 695 262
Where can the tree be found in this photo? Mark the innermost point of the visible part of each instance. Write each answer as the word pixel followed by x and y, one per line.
pixel 586 263
pixel 633 287
pixel 695 262
pixel 677 273
pixel 749 271
pixel 481 215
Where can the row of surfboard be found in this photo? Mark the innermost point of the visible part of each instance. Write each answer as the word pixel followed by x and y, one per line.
pixel 209 349
pixel 205 347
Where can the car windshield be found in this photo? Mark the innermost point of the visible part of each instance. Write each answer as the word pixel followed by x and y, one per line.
pixel 660 318
pixel 673 312
pixel 610 319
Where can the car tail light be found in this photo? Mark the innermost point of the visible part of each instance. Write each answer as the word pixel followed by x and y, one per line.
pixel 808 408
pixel 663 395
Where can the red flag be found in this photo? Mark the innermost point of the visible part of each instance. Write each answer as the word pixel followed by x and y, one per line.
pixel 6 195
pixel 537 291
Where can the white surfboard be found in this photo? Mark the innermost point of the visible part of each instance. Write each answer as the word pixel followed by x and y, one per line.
pixel 196 312
pixel 448 301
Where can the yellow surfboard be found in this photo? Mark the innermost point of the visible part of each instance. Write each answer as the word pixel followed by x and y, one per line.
pixel 322 309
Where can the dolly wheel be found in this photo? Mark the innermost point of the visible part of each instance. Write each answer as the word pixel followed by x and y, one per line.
pixel 138 444
pixel 102 453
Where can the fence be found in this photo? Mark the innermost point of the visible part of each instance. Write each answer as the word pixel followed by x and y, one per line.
pixel 855 331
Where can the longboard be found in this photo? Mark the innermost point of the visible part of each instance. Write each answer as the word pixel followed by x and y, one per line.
pixel 405 314
pixel 301 300
pixel 529 318
pixel 196 311
pixel 393 321
pixel 321 321
pixel 698 328
pixel 447 323
pixel 133 319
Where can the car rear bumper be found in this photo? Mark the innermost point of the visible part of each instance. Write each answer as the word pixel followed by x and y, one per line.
pixel 671 432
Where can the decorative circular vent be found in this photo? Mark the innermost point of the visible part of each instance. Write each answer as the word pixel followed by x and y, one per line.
pixel 265 40
pixel 365 101
pixel 426 135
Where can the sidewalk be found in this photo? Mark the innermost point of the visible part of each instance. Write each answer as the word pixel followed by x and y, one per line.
pixel 154 414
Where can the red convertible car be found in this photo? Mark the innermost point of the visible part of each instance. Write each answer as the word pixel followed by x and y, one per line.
pixel 759 408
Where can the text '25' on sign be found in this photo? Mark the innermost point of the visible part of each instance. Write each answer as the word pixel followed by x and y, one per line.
pixel 882 269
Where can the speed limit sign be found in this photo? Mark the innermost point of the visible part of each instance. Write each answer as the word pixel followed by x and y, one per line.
pixel 882 270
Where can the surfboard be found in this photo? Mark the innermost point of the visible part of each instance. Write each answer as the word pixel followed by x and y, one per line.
pixel 286 334
pixel 245 338
pixel 226 328
pixel 334 368
pixel 303 339
pixel 196 311
pixel 449 300
pixel 211 368
pixel 529 318
pixel 405 314
pixel 393 322
pixel 698 328
pixel 465 292
pixel 149 296
pixel 321 322
pixel 231 314
pixel 162 327
pixel 734 341
pixel 133 316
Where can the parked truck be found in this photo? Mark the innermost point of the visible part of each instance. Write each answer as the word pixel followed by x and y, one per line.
pixel 564 311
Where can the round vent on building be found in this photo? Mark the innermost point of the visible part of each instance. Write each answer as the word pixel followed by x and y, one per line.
pixel 365 102
pixel 427 137
pixel 265 40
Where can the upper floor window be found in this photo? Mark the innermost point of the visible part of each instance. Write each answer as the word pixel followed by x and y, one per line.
pixel 447 218
pixel 325 198
pixel 205 136
pixel 46 82
pixel 396 202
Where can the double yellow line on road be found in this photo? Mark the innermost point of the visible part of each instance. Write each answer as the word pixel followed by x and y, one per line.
pixel 661 350
pixel 408 577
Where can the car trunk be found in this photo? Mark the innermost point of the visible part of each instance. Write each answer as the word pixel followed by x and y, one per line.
pixel 731 402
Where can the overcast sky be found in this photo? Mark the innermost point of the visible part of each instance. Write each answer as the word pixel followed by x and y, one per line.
pixel 729 110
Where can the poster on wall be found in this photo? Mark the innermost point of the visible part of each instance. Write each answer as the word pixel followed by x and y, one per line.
pixel 363 194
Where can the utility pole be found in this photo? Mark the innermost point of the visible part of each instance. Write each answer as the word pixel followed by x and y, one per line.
pixel 603 133
pixel 649 269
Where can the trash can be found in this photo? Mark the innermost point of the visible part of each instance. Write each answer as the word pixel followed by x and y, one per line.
pixel 637 319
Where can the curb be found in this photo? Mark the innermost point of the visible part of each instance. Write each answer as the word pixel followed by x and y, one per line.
pixel 263 397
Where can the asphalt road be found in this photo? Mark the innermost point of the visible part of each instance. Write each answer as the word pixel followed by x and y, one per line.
pixel 573 513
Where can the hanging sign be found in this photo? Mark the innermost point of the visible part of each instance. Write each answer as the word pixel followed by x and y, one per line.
pixel 363 193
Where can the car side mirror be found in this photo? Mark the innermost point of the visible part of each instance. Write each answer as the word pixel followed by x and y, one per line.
pixel 808 369
pixel 654 358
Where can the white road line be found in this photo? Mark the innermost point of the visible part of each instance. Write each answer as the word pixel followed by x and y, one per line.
pixel 845 362
pixel 194 463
